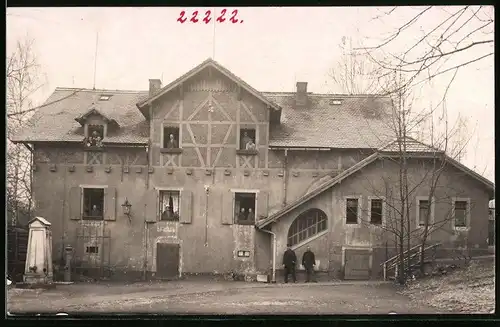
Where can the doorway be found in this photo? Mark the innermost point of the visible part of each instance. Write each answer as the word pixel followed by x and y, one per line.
pixel 167 260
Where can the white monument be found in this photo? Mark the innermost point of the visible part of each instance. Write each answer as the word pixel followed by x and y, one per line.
pixel 38 268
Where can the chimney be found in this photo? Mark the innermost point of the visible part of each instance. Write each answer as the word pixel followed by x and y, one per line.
pixel 301 95
pixel 154 86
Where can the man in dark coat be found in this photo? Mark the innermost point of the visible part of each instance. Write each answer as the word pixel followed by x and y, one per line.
pixel 309 261
pixel 289 260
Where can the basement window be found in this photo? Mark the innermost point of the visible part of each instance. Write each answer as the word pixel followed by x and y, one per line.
pixel 93 203
pixel 169 205
pixel 244 208
pixel 352 206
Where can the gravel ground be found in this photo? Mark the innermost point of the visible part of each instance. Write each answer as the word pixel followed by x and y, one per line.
pixel 466 290
pixel 218 298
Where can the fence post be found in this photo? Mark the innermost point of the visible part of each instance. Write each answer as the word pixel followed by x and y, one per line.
pixel 385 271
pixel 67 267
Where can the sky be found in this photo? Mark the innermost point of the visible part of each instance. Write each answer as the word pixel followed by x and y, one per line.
pixel 271 49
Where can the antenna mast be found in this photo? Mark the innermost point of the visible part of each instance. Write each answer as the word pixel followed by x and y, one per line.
pixel 95 56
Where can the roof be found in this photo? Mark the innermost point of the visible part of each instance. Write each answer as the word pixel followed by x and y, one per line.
pixel 40 219
pixel 383 151
pixel 358 122
pixel 93 111
pixel 207 63
pixel 55 120
pixel 409 145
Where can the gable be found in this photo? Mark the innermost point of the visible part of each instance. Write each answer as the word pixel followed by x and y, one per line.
pixel 201 69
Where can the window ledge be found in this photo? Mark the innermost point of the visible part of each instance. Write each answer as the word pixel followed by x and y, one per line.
pixel 247 152
pixel 352 225
pixel 176 150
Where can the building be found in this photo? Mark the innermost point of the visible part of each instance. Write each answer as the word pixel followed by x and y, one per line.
pixel 197 176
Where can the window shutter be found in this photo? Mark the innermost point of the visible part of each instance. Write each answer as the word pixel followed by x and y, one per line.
pixel 75 203
pixel 227 208
pixel 110 203
pixel 262 205
pixel 152 202
pixel 186 205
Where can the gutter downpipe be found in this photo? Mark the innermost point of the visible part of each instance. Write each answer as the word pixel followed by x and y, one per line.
pixel 285 177
pixel 273 280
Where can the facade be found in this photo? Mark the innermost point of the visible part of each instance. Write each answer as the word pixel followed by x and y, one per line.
pixel 197 176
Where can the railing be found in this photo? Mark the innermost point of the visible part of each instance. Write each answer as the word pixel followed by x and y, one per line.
pixel 408 255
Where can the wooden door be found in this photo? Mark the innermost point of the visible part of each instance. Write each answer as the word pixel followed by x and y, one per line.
pixel 357 264
pixel 167 260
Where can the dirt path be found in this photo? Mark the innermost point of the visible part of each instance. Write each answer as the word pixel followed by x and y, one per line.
pixel 218 298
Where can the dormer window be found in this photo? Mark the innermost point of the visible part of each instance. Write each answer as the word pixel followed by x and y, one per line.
pixel 95 136
pixel 104 97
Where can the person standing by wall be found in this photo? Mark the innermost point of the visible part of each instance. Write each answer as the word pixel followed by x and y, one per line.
pixel 309 261
pixel 289 260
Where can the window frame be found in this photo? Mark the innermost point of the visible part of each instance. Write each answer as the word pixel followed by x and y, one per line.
pixel 235 218
pixel 158 201
pixel 241 150
pixel 383 213
pixel 163 149
pixel 359 212
pixel 431 207
pixel 82 200
pixel 303 216
pixel 467 213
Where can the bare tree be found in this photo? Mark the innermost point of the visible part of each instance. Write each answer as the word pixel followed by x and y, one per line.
pixel 419 168
pixel 22 82
pixel 450 38
pixel 352 71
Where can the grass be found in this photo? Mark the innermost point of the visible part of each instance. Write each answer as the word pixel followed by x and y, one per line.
pixel 470 289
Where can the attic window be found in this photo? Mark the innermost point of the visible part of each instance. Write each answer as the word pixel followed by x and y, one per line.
pixel 335 102
pixel 104 97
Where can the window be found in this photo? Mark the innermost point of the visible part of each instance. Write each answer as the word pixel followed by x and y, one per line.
pixel 307 224
pixel 95 136
pixel 244 208
pixel 170 138
pixel 92 249
pixel 93 203
pixel 351 211
pixel 460 213
pixel 104 97
pixel 169 205
pixel 247 139
pixel 376 211
pixel 423 211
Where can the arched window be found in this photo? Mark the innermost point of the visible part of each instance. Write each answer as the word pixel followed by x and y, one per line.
pixel 307 224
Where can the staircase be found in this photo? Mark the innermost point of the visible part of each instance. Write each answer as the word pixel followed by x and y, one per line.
pixel 391 266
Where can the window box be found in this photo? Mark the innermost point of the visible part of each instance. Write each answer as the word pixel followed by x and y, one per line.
pixel 93 148
pixel 247 152
pixel 171 150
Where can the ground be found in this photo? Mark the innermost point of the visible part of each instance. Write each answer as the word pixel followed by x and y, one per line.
pixel 466 290
pixel 209 297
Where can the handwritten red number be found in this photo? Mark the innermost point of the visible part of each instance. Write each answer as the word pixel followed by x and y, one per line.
pixel 233 18
pixel 193 19
pixel 221 18
pixel 181 19
pixel 207 18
